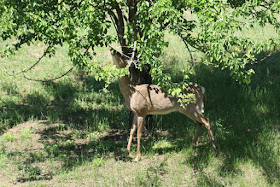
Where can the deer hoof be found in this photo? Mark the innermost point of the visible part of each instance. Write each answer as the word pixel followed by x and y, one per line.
pixel 214 148
pixel 126 153
pixel 137 159
pixel 194 144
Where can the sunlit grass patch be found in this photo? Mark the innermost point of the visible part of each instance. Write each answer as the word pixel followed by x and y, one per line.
pixel 98 162
pixel 26 134
pixel 93 135
pixel 249 175
pixel 3 159
pixel 163 144
pixel 79 133
pixel 8 137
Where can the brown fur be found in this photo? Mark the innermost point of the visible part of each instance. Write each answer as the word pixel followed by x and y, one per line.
pixel 149 99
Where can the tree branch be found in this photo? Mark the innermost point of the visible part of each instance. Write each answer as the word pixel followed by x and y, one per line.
pixel 132 58
pixel 31 67
pixel 114 19
pixel 165 25
pixel 132 9
pixel 120 26
pixel 186 44
pixel 49 80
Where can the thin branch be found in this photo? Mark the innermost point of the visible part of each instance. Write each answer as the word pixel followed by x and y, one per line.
pixel 104 13
pixel 186 44
pixel 151 3
pixel 31 67
pixel 114 19
pixel 96 6
pixel 131 60
pixel 165 25
pixel 124 55
pixel 49 80
pixel 264 58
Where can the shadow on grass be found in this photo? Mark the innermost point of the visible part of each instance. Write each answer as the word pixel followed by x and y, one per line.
pixel 73 152
pixel 244 120
pixel 80 106
pixel 64 102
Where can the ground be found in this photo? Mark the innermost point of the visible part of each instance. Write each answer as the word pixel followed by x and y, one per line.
pixel 72 132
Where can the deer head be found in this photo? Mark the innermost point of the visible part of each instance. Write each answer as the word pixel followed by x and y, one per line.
pixel 147 99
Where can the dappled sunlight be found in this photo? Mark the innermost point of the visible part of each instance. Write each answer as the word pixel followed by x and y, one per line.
pixel 72 124
pixel 246 114
pixel 49 131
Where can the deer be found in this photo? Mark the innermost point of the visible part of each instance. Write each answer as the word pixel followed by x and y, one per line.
pixel 149 99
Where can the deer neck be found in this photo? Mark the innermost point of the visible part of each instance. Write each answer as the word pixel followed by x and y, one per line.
pixel 125 86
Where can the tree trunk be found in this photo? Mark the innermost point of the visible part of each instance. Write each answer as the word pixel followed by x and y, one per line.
pixel 136 76
pixel 140 77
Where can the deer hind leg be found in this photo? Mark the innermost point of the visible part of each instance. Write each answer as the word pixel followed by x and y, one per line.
pixel 199 125
pixel 132 131
pixel 198 117
pixel 206 123
pixel 140 124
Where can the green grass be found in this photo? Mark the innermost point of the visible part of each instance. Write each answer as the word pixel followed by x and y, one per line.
pixel 69 132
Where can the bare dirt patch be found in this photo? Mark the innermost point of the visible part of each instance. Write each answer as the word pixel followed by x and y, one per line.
pixel 39 150
pixel 28 158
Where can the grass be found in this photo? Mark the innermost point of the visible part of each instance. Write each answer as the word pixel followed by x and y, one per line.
pixel 69 132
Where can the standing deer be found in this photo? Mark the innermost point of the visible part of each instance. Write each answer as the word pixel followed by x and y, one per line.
pixel 147 99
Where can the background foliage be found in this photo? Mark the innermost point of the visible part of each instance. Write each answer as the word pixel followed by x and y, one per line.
pixel 208 27
pixel 69 132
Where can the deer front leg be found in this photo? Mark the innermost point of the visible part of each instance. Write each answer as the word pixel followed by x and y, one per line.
pixel 132 131
pixel 140 124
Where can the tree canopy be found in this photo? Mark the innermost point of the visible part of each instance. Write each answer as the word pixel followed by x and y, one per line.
pixel 208 26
